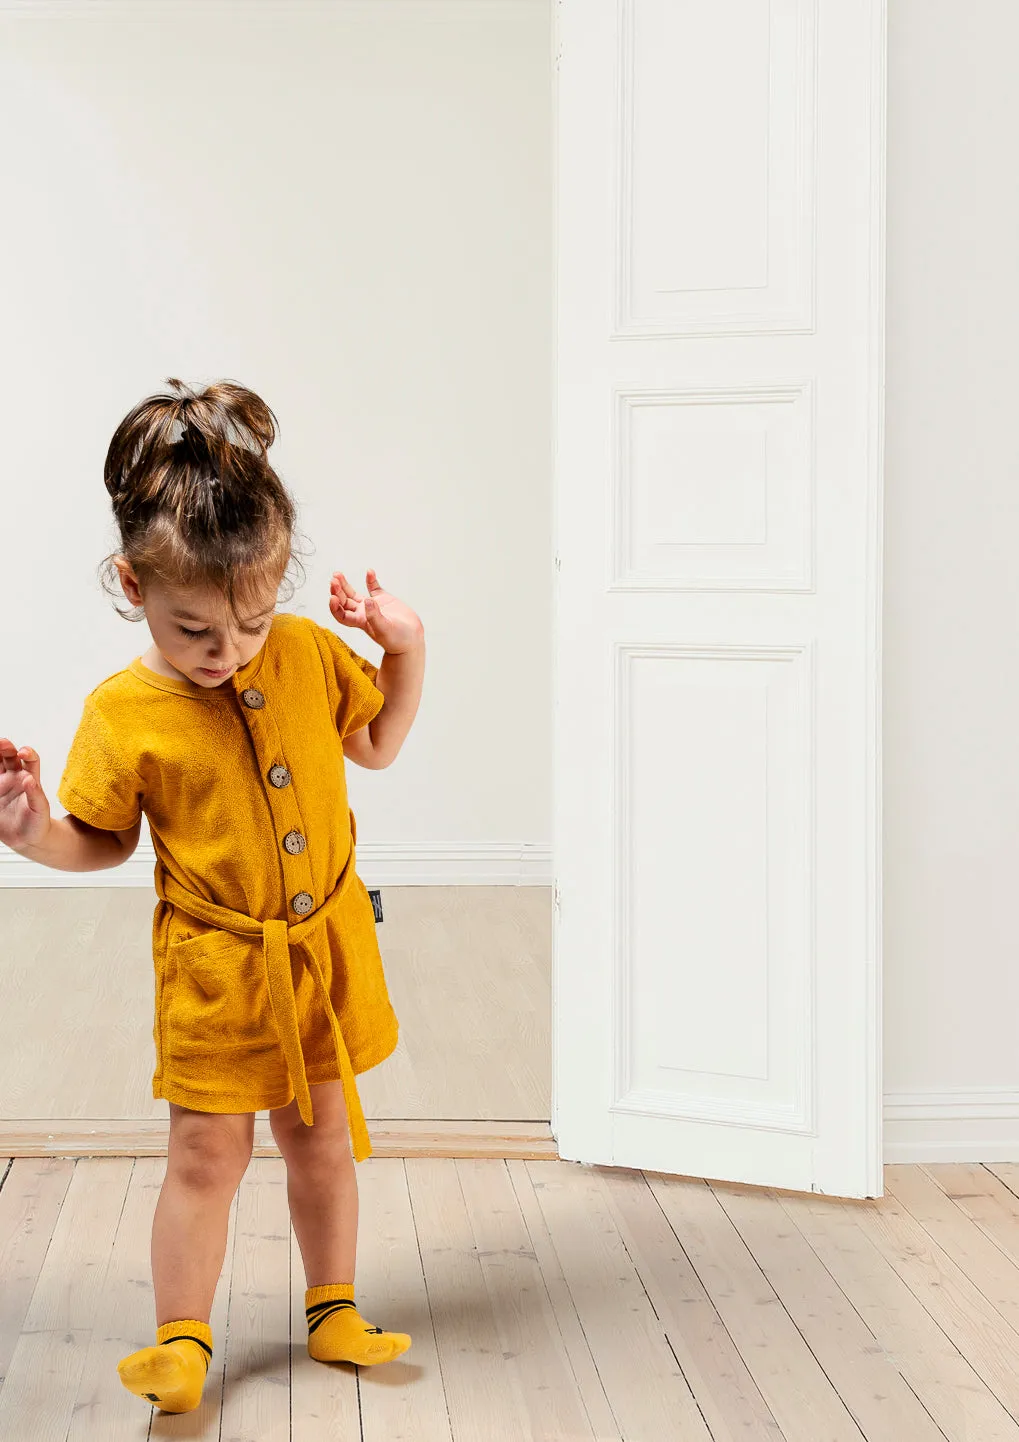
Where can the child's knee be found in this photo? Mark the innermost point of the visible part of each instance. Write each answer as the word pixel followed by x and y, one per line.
pixel 330 1131
pixel 210 1155
pixel 317 1153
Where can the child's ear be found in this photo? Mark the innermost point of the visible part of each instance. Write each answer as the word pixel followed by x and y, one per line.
pixel 128 580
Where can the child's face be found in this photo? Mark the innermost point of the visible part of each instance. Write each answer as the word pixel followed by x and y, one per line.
pixel 194 631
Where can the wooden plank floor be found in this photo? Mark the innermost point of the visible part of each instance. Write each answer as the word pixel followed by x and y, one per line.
pixel 547 1300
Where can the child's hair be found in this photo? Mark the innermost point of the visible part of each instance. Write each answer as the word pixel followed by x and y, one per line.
pixel 194 496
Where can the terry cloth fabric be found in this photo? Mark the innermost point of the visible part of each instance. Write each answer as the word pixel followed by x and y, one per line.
pixel 255 998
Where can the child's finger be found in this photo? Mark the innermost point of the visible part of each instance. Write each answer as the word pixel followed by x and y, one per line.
pixel 373 581
pixel 34 795
pixel 348 589
pixel 9 758
pixel 31 762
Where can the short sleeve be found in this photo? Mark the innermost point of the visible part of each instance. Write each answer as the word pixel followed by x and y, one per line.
pixel 359 700
pixel 97 785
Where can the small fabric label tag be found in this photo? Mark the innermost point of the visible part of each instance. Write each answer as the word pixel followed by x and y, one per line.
pixel 376 897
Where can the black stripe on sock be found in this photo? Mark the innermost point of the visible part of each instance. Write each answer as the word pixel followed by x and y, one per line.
pixel 188 1338
pixel 321 1306
pixel 314 1324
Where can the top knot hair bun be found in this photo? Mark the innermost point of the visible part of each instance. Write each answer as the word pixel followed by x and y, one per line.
pixel 194 496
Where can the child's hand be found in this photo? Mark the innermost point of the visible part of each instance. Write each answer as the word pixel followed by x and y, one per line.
pixel 394 626
pixel 24 810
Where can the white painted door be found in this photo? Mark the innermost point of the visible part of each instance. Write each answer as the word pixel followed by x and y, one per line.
pixel 720 187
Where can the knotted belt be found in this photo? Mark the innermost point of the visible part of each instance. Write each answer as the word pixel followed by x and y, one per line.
pixel 278 937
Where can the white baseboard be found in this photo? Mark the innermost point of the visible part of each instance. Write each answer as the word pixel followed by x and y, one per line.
pixel 472 863
pixel 952 1126
pixel 487 863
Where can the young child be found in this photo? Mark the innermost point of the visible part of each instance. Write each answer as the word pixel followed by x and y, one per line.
pixel 230 734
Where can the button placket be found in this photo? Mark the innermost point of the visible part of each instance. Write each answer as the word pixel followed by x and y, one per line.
pixel 286 820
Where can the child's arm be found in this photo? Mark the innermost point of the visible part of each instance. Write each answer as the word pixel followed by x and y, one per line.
pixel 73 845
pixel 400 678
pixel 65 843
pixel 398 630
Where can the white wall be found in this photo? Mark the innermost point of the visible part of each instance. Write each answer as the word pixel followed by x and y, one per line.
pixel 354 218
pixel 951 677
pixel 348 207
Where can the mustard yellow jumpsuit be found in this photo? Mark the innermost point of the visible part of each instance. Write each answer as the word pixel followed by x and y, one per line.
pixel 267 968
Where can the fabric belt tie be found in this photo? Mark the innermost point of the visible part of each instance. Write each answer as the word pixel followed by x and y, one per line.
pixel 278 937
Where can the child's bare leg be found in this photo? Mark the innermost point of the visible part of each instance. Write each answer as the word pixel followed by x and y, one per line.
pixel 321 1184
pixel 322 1191
pixel 207 1156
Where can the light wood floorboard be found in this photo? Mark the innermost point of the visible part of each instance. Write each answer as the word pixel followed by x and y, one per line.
pixel 547 1300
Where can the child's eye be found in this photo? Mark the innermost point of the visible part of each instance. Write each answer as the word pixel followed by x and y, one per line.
pixel 248 631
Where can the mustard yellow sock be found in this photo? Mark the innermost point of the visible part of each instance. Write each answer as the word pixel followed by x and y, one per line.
pixel 338 1333
pixel 171 1374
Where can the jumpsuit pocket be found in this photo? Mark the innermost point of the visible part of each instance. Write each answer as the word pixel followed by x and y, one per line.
pixel 219 997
